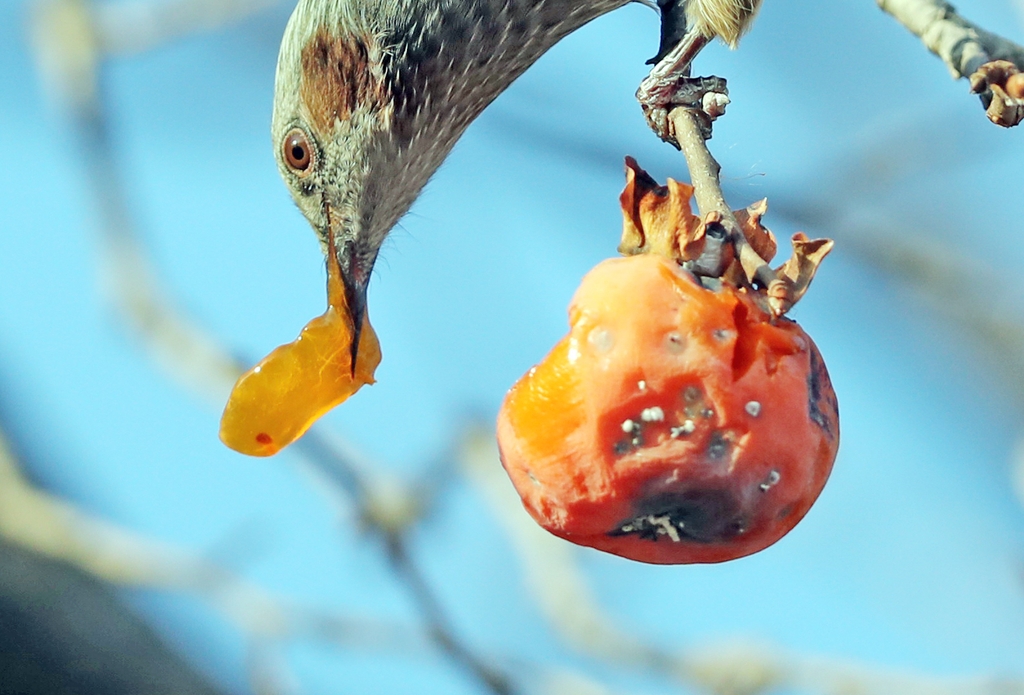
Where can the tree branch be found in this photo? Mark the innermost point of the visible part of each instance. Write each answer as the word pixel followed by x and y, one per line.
pixel 437 620
pixel 968 51
pixel 704 171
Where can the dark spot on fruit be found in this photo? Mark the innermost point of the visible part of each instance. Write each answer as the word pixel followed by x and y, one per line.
pixel 693 396
pixel 819 390
pixel 718 447
pixel 698 515
pixel 264 438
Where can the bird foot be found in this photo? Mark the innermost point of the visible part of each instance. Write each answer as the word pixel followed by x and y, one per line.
pixel 659 94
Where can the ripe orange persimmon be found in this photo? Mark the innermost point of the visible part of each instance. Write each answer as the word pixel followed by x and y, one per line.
pixel 675 423
pixel 683 419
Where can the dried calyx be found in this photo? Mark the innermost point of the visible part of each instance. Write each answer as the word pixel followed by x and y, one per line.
pixel 659 220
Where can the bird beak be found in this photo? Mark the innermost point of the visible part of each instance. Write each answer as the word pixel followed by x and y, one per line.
pixel 355 278
pixel 354 268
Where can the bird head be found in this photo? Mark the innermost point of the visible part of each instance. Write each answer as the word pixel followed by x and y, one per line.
pixel 339 145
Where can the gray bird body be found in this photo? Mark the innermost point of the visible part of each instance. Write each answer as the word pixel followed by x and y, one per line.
pixel 377 92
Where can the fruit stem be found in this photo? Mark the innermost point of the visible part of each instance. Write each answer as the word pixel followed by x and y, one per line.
pixel 691 130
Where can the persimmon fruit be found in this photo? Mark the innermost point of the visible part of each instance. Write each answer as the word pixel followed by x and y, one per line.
pixel 675 423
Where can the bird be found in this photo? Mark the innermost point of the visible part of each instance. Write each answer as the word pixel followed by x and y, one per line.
pixel 370 97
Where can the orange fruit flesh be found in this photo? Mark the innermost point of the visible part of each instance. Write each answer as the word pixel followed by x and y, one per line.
pixel 275 402
pixel 547 404
pixel 691 427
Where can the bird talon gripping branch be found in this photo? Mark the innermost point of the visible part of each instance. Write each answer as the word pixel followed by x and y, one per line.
pixel 706 96
pixel 669 83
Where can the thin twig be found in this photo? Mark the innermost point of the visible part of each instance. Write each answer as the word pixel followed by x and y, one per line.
pixel 707 190
pixel 437 622
pixel 134 26
pixel 54 528
pixel 704 170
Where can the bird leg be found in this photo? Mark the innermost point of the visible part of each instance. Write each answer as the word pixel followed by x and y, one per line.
pixel 669 85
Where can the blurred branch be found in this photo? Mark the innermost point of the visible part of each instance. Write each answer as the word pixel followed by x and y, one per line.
pixel 944 277
pixel 1018 470
pixel 436 620
pixel 268 672
pixel 134 26
pixel 730 669
pixel 908 244
pixel 563 682
pixel 968 50
pixel 127 27
pixel 185 351
pixel 51 527
pixel 70 60
pixel 961 44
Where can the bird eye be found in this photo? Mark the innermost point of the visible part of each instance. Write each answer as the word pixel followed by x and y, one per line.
pixel 298 153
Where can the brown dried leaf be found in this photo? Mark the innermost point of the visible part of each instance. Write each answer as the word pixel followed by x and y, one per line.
pixel 658 219
pixel 638 185
pixel 758 236
pixel 734 274
pixel 689 232
pixel 795 275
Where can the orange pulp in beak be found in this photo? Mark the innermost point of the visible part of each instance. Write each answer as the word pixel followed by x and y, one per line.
pixel 275 402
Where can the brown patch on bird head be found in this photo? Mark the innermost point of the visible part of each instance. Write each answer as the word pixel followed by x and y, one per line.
pixel 339 77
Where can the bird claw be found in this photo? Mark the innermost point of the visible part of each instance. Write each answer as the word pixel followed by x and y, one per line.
pixel 658 95
pixel 1001 86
